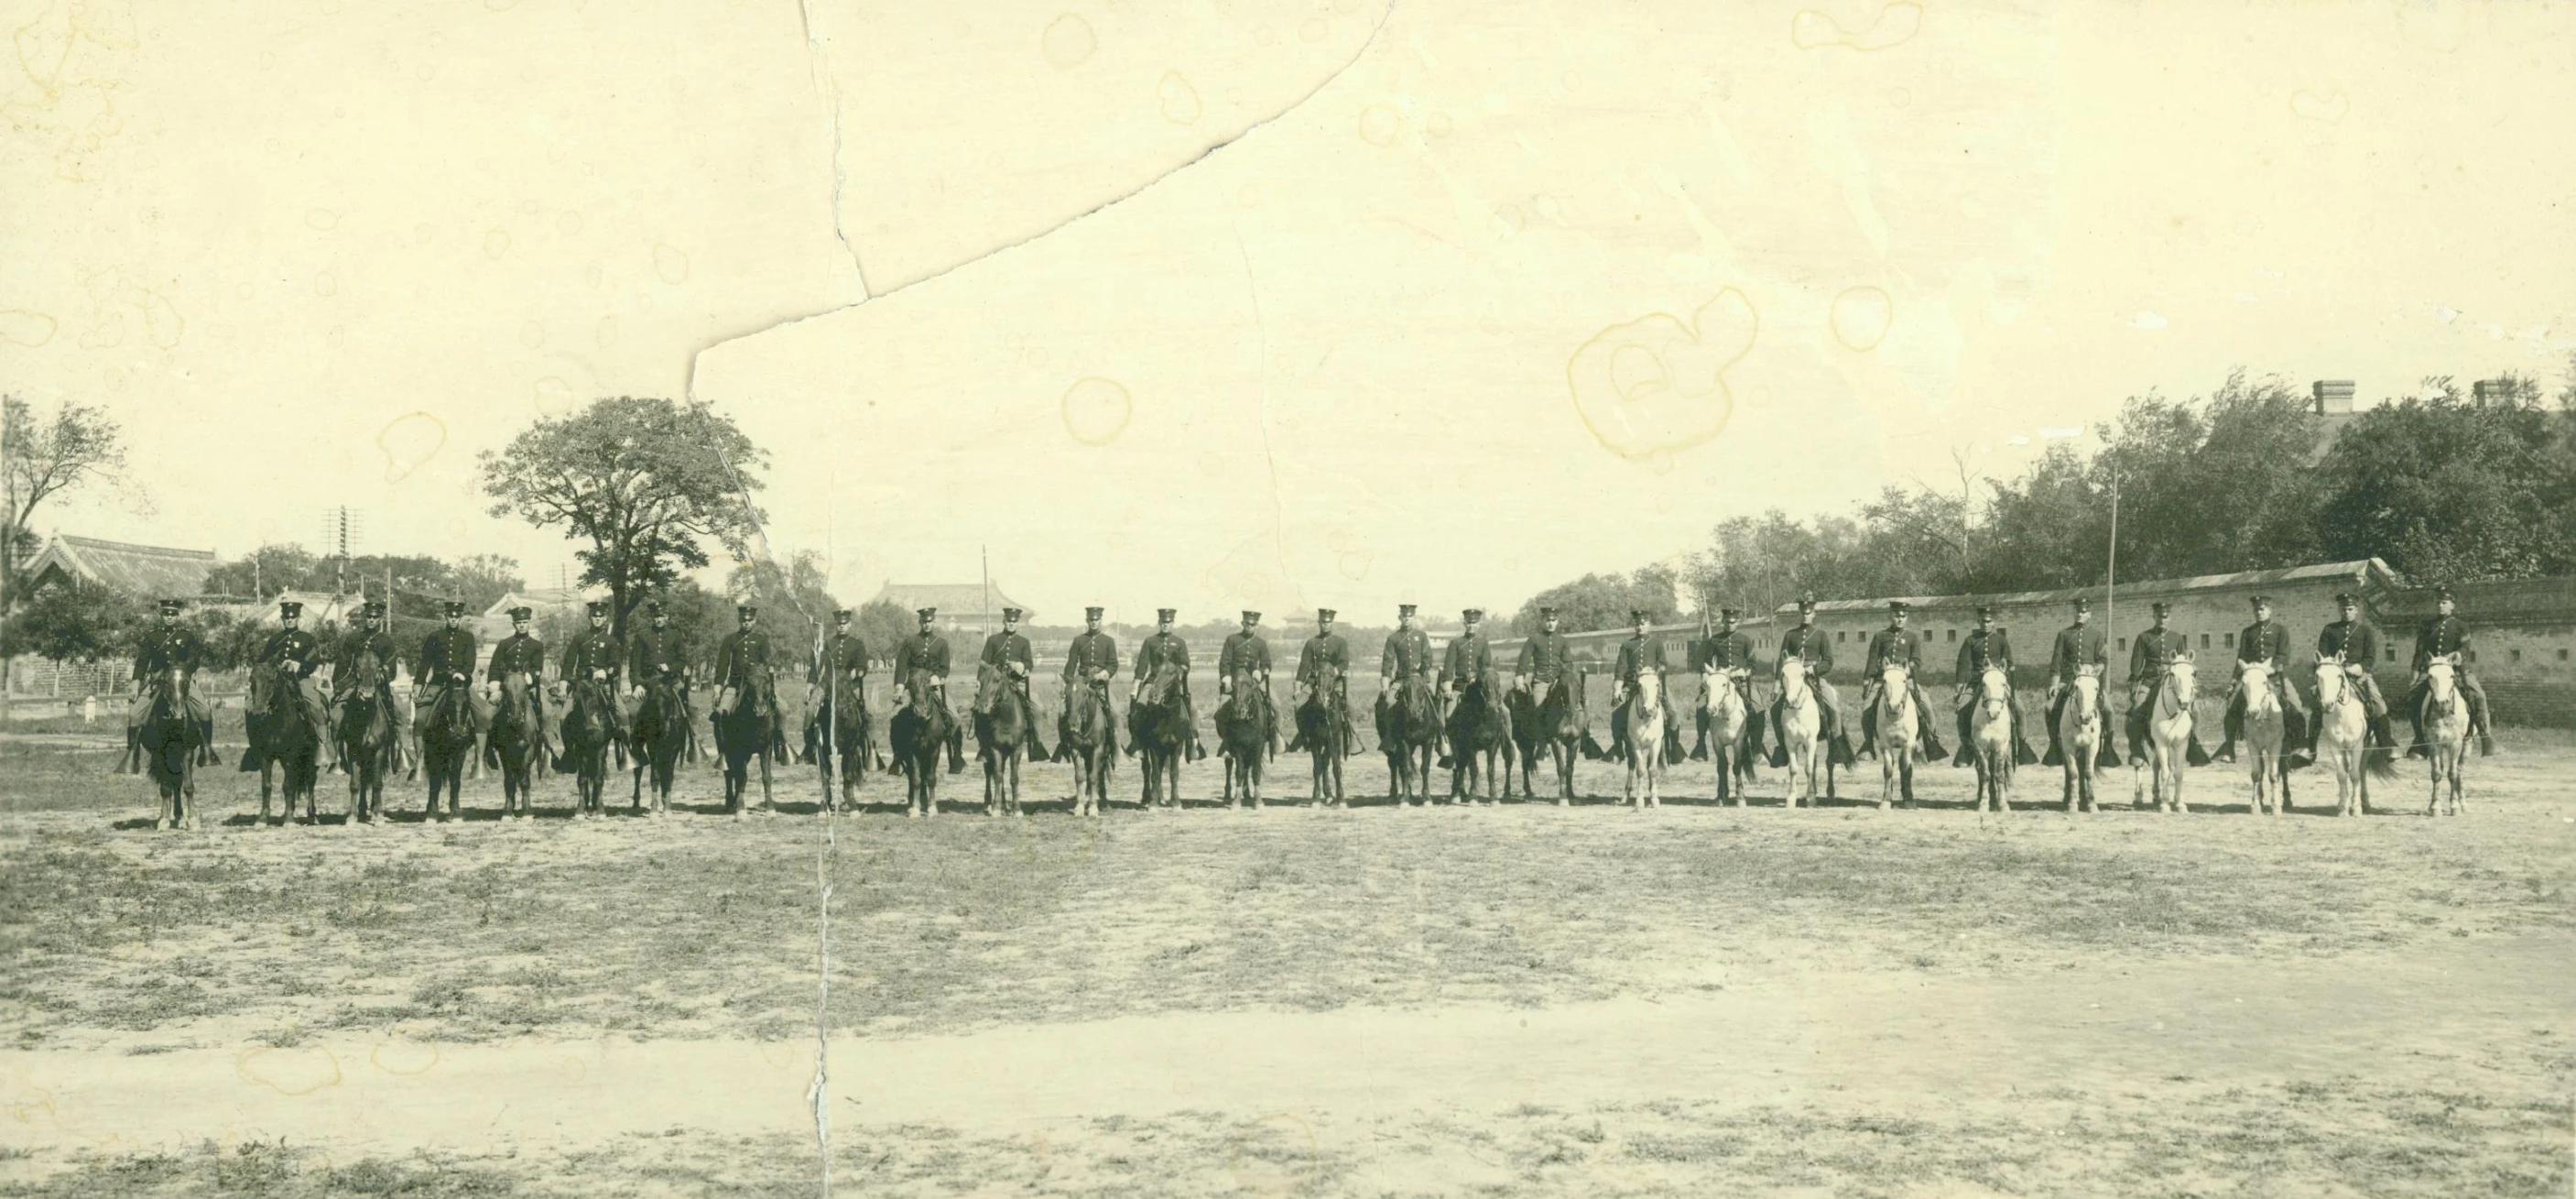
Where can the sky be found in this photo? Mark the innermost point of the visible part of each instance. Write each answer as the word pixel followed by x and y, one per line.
pixel 1242 303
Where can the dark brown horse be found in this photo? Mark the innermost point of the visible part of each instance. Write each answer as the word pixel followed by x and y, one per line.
pixel 1480 743
pixel 1246 724
pixel 1324 730
pixel 365 738
pixel 171 742
pixel 446 745
pixel 513 740
pixel 919 730
pixel 589 732
pixel 1005 737
pixel 1549 725
pixel 1156 722
pixel 661 740
pixel 1087 737
pixel 281 741
pixel 841 735
pixel 746 728
pixel 1408 724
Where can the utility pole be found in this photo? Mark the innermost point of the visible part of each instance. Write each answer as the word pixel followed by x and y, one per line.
pixel 985 553
pixel 2111 564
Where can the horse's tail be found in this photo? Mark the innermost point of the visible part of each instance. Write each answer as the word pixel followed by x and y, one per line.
pixel 1592 750
pixel 2380 761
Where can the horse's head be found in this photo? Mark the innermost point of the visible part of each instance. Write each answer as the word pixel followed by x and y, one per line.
pixel 1793 671
pixel 2441 674
pixel 2181 677
pixel 1717 687
pixel 1896 679
pixel 1994 687
pixel 1650 689
pixel 2330 685
pixel 2254 674
pixel 1162 684
pixel 2087 690
pixel 916 688
pixel 1328 680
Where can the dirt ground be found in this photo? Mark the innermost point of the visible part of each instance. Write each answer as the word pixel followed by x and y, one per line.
pixel 1509 999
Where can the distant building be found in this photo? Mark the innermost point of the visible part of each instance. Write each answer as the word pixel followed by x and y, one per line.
pixel 962 606
pixel 141 571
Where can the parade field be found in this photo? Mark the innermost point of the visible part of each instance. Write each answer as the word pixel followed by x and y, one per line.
pixel 1510 999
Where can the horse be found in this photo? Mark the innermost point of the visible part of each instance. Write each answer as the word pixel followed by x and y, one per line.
pixel 2170 741
pixel 364 734
pixel 2446 723
pixel 842 729
pixel 1550 724
pixel 2080 739
pixel 661 740
pixel 1086 735
pixel 746 727
pixel 589 730
pixel 1991 741
pixel 1802 736
pixel 1325 734
pixel 281 741
pixel 2343 734
pixel 1156 723
pixel 1729 732
pixel 170 742
pixel 447 744
pixel 2264 729
pixel 1003 739
pixel 1643 745
pixel 1480 742
pixel 918 731
pixel 1244 725
pixel 1899 729
pixel 1408 722
pixel 512 742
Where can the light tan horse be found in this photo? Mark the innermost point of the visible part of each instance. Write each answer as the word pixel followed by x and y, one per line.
pixel 2169 740
pixel 2079 738
pixel 2343 732
pixel 1725 720
pixel 1990 740
pixel 1802 728
pixel 2263 733
pixel 2446 724
pixel 1897 733
pixel 1645 746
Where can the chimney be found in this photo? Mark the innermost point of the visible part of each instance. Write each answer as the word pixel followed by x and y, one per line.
pixel 2497 392
pixel 2335 396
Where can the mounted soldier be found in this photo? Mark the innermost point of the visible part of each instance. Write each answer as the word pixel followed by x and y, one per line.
pixel 2354 643
pixel 747 663
pixel 1986 648
pixel 1895 646
pixel 1547 658
pixel 296 655
pixel 595 656
pixel 1811 646
pixel 1007 653
pixel 1467 658
pixel 658 655
pixel 1091 661
pixel 1724 648
pixel 1328 649
pixel 2151 657
pixel 2443 635
pixel 1408 656
pixel 168 645
pixel 926 653
pixel 2266 641
pixel 840 667
pixel 1247 649
pixel 2079 645
pixel 523 652
pixel 370 640
pixel 447 662
pixel 1166 647
pixel 1642 654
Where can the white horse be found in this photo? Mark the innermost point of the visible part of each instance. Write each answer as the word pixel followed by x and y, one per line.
pixel 2343 732
pixel 2169 739
pixel 1990 740
pixel 1725 719
pixel 2446 722
pixel 1802 730
pixel 1897 730
pixel 2264 729
pixel 2079 737
pixel 1646 741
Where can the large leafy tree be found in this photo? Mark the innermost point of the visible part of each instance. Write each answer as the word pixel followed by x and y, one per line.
pixel 644 481
pixel 2448 490
pixel 45 456
pixel 1603 601
pixel 67 624
pixel 795 601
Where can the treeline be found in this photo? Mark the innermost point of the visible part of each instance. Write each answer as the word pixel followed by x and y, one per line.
pixel 2248 477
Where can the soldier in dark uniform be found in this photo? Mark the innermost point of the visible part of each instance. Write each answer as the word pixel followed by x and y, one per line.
pixel 370 640
pixel 1467 658
pixel 927 652
pixel 1641 654
pixel 1987 648
pixel 1546 659
pixel 447 661
pixel 297 654
pixel 2266 640
pixel 1724 648
pixel 522 652
pixel 595 655
pixel 1407 655
pixel 745 663
pixel 166 646
pixel 1008 653
pixel 657 655
pixel 1091 661
pixel 840 667
pixel 1894 646
pixel 1248 649
pixel 1166 646
pixel 2356 644
pixel 1811 646
pixel 2079 645
pixel 1328 648
pixel 2151 653
pixel 2445 634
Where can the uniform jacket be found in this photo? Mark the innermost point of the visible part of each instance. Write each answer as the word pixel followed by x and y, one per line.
pixel 1163 647
pixel 925 651
pixel 653 652
pixel 1727 651
pixel 1090 654
pixel 518 653
pixel 357 642
pixel 1892 647
pixel 1468 656
pixel 445 652
pixel 1003 648
pixel 1638 655
pixel 1321 650
pixel 2264 641
pixel 295 651
pixel 844 659
pixel 2355 640
pixel 1545 658
pixel 1408 652
pixel 1810 645
pixel 593 649
pixel 168 646
pixel 2438 636
pixel 2078 645
pixel 1984 650
pixel 743 657
pixel 2151 650
pixel 1245 651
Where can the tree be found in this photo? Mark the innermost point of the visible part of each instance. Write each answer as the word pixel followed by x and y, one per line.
pixel 482 579
pixel 64 624
pixel 796 602
pixel 42 458
pixel 2449 491
pixel 1603 601
pixel 264 572
pixel 642 480
pixel 881 625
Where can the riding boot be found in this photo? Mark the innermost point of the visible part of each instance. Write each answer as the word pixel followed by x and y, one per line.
pixel 1869 730
pixel 1932 751
pixel 1967 744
